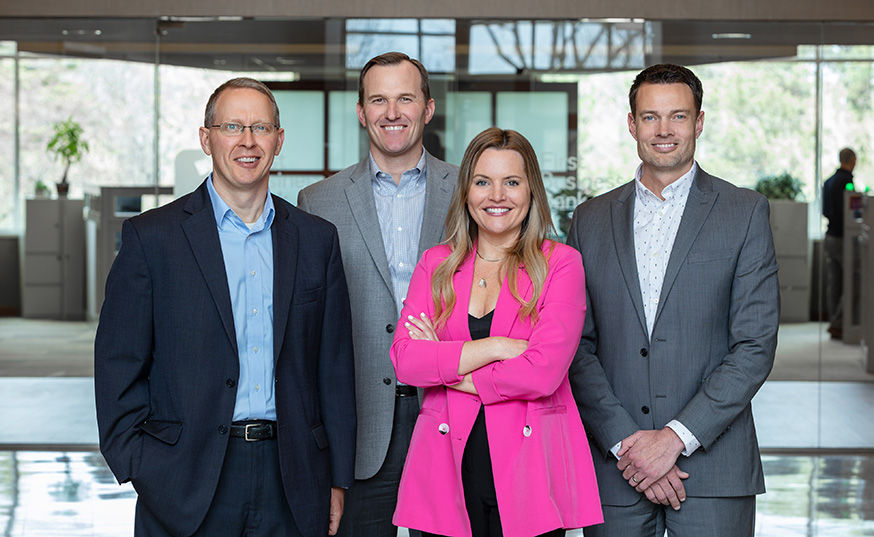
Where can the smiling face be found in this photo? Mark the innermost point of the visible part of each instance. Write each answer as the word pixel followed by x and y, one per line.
pixel 499 196
pixel 665 127
pixel 394 112
pixel 241 163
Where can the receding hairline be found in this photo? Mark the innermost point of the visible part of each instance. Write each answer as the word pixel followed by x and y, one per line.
pixel 229 93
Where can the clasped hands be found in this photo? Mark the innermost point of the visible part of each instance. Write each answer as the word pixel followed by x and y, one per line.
pixel 647 460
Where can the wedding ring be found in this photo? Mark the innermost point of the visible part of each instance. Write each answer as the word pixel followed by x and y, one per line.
pixel 634 479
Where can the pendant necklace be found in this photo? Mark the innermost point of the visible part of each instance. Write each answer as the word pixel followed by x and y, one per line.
pixel 482 281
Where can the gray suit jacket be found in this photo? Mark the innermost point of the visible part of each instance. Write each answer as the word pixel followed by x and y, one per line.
pixel 712 344
pixel 346 200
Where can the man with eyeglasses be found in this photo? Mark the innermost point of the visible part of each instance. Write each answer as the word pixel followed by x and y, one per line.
pixel 223 357
pixel 388 209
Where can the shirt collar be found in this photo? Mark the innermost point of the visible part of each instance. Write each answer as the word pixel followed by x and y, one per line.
pixel 223 212
pixel 680 187
pixel 377 174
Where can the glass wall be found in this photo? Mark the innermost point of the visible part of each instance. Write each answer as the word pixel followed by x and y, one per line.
pixel 8 182
pixel 767 112
pixel 779 98
pixel 113 101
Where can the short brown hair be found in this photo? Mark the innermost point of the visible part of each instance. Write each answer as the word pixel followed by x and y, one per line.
pixel 394 58
pixel 847 155
pixel 667 73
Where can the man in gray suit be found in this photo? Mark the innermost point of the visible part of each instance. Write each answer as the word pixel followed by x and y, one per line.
pixel 680 332
pixel 388 209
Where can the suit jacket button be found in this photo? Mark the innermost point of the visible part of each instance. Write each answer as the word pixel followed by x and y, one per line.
pixel 644 409
pixel 443 428
pixel 386 381
pixel 527 431
pixel 389 328
pixel 231 383
pixel 223 429
pixel 644 352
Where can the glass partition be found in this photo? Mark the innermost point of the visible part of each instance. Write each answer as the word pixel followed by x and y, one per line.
pixel 112 101
pixel 780 98
pixel 8 170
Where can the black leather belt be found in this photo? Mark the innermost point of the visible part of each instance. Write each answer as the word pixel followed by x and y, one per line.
pixel 402 390
pixel 254 431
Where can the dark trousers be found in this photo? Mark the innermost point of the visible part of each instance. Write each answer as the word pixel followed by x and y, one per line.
pixel 370 503
pixel 834 257
pixel 249 500
pixel 698 517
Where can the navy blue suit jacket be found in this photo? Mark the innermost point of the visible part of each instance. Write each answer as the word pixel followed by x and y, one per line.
pixel 166 362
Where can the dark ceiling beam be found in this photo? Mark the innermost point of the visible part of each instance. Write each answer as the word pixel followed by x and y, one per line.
pixel 748 10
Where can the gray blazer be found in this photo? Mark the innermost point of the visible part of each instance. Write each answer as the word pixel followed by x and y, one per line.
pixel 712 343
pixel 346 200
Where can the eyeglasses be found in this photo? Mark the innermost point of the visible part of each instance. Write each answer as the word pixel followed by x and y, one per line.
pixel 235 129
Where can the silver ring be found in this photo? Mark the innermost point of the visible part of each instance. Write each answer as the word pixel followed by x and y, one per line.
pixel 634 479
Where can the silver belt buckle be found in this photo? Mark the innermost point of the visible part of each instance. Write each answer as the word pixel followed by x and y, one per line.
pixel 246 436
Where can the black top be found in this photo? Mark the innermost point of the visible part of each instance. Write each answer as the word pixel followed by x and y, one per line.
pixel 480 326
pixel 833 201
pixel 477 461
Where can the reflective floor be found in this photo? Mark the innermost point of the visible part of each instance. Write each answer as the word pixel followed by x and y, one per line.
pixel 818 438
pixel 55 494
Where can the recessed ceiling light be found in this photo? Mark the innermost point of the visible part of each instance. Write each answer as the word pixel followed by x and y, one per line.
pixel 730 35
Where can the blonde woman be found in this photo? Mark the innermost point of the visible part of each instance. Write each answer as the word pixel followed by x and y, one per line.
pixel 493 318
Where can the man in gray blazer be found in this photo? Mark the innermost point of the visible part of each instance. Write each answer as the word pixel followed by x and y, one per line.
pixel 388 209
pixel 680 332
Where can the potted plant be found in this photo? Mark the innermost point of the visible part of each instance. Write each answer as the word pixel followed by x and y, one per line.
pixel 40 190
pixel 779 187
pixel 67 144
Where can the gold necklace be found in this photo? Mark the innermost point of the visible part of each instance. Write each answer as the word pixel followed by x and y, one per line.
pixel 484 259
pixel 482 281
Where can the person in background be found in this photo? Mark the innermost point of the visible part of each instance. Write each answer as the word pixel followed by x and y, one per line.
pixel 491 323
pixel 223 357
pixel 681 285
pixel 833 244
pixel 388 209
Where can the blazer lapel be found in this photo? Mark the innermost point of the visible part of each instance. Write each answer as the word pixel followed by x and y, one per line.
pixel 286 247
pixel 457 324
pixel 698 206
pixel 438 192
pixel 202 234
pixel 507 309
pixel 359 194
pixel 622 213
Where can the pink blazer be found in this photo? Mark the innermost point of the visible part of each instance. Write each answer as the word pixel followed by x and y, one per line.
pixel 544 477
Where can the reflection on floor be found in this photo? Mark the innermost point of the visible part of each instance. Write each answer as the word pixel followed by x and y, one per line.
pixel 53 483
pixel 55 494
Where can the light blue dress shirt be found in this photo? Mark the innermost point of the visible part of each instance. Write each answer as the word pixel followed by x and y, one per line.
pixel 400 208
pixel 247 249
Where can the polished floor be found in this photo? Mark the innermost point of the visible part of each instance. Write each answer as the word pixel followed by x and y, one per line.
pixel 817 438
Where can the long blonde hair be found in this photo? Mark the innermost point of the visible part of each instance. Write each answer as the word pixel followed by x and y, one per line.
pixel 462 231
